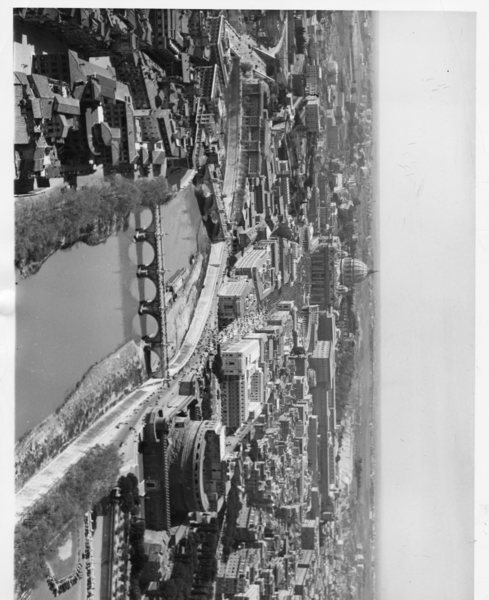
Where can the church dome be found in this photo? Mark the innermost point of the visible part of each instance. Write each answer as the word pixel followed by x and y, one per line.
pixel 352 271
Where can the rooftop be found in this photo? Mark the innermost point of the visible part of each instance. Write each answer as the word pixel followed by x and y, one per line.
pixel 69 106
pixel 252 259
pixel 21 135
pixel 235 288
pixel 322 349
pixel 41 86
pixel 81 70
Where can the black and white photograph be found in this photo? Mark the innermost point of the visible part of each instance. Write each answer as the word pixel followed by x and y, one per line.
pixel 244 269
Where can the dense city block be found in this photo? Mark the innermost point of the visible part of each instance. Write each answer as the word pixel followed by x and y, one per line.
pixel 242 453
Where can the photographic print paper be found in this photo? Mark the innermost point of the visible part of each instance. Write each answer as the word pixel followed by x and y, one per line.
pixel 244 258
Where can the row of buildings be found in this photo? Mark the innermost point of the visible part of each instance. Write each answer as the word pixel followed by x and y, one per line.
pixel 273 440
pixel 288 470
pixel 115 93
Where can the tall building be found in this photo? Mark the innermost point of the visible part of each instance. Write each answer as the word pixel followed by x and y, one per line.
pixel 165 26
pixel 312 446
pixel 257 386
pixel 208 81
pixel 218 47
pixel 232 300
pixel 264 345
pixel 234 400
pixel 120 115
pixel 239 363
pixel 313 79
pixel 56 66
pixel 312 118
pixel 309 534
pixel 257 265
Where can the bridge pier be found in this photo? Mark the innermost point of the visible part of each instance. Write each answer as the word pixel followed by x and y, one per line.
pixel 155 271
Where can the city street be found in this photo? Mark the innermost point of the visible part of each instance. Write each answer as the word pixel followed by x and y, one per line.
pixel 232 138
pixel 213 277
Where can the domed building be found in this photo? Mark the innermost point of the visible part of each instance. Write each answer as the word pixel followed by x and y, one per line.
pixel 333 273
pixel 352 271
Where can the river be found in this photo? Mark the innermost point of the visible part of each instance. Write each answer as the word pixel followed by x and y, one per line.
pixel 83 304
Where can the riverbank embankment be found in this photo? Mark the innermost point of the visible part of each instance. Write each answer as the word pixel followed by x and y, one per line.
pixel 100 388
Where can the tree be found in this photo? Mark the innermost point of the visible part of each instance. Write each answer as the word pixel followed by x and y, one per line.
pixel 126 497
pixel 134 590
pixel 217 367
pixel 254 452
pixel 246 67
pixel 136 532
pixel 168 589
pixel 84 485
pixel 88 215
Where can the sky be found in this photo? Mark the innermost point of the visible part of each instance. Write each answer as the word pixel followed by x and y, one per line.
pixel 426 204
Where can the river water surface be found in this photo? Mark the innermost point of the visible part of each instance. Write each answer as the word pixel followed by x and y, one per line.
pixel 83 304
